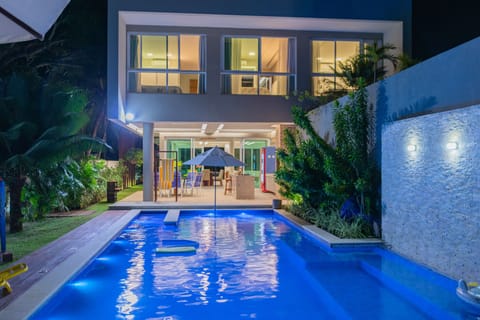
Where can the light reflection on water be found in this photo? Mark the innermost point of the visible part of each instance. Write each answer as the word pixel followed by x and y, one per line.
pixel 130 285
pixel 245 267
pixel 230 261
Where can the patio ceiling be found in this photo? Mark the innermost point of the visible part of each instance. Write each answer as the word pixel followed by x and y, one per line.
pixel 213 130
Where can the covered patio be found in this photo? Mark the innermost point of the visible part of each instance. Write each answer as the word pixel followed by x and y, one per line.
pixel 202 200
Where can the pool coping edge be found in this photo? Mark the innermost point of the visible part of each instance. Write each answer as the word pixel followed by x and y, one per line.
pixel 325 237
pixel 27 303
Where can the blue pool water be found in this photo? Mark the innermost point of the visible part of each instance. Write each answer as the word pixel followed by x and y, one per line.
pixel 248 265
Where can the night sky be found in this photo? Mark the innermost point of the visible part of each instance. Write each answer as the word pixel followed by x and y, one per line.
pixel 443 24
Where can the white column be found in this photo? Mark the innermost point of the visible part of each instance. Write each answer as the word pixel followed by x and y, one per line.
pixel 148 161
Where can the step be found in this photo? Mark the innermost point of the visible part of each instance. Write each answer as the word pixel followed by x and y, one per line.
pixel 172 216
pixel 419 287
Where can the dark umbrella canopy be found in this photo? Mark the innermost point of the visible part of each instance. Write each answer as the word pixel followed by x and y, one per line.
pixel 215 157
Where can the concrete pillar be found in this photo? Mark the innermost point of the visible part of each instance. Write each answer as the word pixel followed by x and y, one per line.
pixel 148 174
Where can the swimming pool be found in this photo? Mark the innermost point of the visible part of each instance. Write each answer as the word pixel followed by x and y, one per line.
pixel 248 265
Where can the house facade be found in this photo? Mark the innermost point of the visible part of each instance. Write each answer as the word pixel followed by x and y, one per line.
pixel 191 75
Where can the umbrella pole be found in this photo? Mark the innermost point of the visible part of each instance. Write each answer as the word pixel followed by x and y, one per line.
pixel 214 194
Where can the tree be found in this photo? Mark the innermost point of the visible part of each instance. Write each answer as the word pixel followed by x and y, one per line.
pixel 72 52
pixel 368 66
pixel 300 175
pixel 353 132
pixel 42 126
pixel 377 55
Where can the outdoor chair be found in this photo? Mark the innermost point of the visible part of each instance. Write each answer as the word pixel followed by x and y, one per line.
pixel 188 183
pixel 176 182
pixel 197 184
pixel 206 177
pixel 219 178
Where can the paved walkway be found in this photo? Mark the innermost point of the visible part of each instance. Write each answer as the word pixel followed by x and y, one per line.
pixel 47 258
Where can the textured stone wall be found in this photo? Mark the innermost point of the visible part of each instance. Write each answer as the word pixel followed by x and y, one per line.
pixel 430 194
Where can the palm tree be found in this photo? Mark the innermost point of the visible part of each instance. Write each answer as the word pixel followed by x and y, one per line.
pixel 358 67
pixel 378 54
pixel 41 128
pixel 367 66
pixel 404 61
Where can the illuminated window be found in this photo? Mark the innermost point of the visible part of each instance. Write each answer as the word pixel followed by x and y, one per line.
pixel 258 66
pixel 172 63
pixel 327 55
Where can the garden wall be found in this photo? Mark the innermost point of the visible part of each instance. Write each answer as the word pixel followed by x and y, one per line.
pixel 431 190
pixel 447 81
pixel 430 198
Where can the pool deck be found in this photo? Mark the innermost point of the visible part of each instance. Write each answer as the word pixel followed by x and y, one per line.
pixel 52 265
pixel 204 199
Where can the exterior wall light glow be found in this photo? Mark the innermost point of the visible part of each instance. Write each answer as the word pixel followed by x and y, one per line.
pixel 129 116
pixel 411 147
pixel 452 146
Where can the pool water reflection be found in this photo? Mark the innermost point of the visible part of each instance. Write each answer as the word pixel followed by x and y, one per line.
pixel 248 265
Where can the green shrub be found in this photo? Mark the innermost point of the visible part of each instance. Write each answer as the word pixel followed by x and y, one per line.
pixel 113 173
pixel 68 185
pixel 319 177
pixel 329 219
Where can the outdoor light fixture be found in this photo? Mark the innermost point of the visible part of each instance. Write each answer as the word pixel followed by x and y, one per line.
pixel 411 147
pixel 204 127
pixel 129 116
pixel 220 127
pixel 452 145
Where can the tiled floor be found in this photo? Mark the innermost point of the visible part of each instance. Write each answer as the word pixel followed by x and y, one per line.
pixel 203 199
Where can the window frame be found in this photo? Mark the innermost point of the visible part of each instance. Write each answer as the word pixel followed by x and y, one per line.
pixel 202 72
pixel 333 74
pixel 291 61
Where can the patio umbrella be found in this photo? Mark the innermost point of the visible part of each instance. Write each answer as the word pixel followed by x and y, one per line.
pixel 215 157
pixel 22 20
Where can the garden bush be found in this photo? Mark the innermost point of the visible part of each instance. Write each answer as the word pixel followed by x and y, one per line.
pixel 68 185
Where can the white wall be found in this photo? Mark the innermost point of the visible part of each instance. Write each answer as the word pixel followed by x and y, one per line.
pixel 431 195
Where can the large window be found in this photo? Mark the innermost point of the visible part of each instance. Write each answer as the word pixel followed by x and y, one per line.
pixel 258 66
pixel 183 148
pixel 249 152
pixel 326 58
pixel 173 63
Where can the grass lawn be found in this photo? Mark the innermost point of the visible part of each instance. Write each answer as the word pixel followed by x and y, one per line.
pixel 39 233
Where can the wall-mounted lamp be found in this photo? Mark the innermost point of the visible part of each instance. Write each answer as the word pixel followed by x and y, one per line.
pixel 129 116
pixel 452 146
pixel 411 147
